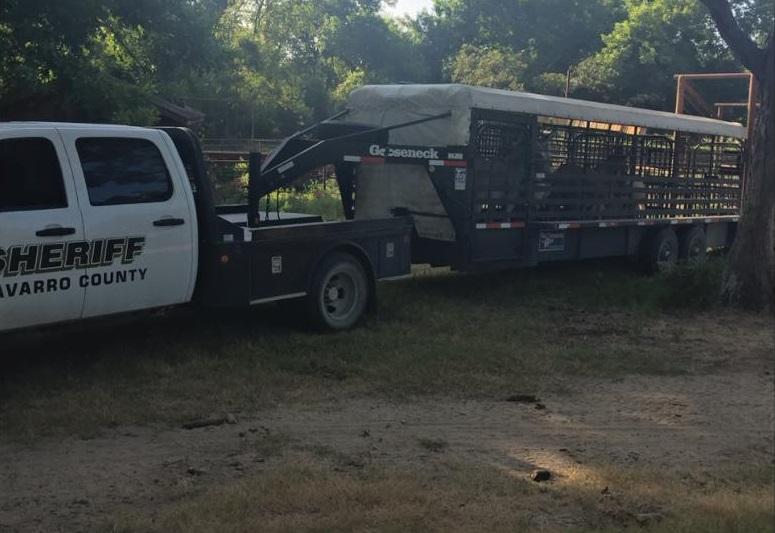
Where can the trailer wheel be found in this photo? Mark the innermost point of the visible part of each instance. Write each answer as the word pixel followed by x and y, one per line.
pixel 340 293
pixel 661 251
pixel 694 246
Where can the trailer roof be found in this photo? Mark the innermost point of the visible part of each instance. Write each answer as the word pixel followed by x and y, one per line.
pixel 415 100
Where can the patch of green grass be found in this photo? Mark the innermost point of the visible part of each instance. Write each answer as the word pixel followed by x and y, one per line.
pixel 692 286
pixel 482 336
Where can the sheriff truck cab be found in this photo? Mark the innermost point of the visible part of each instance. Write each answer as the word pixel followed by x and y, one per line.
pixel 97 220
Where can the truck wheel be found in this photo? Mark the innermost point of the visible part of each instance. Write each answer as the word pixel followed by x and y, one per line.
pixel 340 293
pixel 661 251
pixel 694 246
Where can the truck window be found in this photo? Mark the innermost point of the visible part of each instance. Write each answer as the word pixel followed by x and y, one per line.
pixel 123 171
pixel 30 175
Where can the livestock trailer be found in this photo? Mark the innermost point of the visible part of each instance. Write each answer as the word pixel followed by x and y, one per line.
pixel 497 179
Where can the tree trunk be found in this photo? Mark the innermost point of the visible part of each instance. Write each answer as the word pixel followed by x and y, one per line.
pixel 749 280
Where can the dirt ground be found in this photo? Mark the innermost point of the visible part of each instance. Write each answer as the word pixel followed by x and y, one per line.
pixel 645 421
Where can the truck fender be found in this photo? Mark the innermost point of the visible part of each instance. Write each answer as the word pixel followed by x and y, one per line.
pixel 358 253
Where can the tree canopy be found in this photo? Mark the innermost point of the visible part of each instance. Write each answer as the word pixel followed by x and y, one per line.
pixel 264 67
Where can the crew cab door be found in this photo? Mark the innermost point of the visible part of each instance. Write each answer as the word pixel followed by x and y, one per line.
pixel 39 221
pixel 137 208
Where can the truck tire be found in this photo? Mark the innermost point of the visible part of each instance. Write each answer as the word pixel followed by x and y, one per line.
pixel 339 294
pixel 694 246
pixel 660 251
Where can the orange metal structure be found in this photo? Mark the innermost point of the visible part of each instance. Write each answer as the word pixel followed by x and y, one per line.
pixel 688 96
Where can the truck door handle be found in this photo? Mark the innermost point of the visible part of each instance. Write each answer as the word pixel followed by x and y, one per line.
pixel 163 222
pixel 55 232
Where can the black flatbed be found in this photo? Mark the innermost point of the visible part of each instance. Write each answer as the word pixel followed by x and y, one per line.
pixel 277 262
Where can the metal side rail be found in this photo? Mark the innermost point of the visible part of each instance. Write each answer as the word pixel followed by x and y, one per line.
pixel 576 224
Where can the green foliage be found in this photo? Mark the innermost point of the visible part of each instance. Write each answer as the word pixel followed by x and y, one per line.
pixel 692 286
pixel 317 198
pixel 756 17
pixel 640 56
pixel 488 67
pixel 97 60
pixel 621 51
pixel 551 83
pixel 263 68
pixel 293 62
pixel 552 34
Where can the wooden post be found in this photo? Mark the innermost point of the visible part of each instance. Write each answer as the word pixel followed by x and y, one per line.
pixel 679 95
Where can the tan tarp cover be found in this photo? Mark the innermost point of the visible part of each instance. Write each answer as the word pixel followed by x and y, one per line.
pixel 392 104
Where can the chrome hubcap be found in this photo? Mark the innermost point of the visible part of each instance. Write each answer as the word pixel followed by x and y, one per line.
pixel 339 296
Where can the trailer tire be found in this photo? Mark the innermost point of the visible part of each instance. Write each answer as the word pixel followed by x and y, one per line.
pixel 660 251
pixel 339 294
pixel 694 246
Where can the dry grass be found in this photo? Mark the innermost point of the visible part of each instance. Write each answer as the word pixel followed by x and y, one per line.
pixel 306 494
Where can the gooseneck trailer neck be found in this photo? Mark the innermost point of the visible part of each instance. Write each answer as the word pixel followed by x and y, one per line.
pixel 323 143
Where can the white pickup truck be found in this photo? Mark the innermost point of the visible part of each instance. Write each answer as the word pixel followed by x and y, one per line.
pixel 97 220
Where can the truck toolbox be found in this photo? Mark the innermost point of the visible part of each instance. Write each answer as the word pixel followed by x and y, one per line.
pixel 279 260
